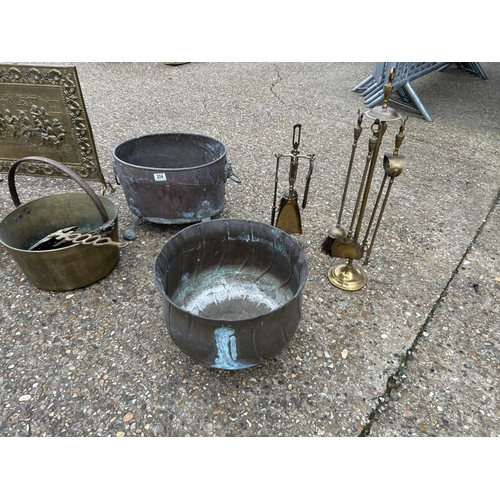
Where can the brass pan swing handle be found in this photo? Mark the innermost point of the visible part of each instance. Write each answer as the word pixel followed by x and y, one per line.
pixel 63 168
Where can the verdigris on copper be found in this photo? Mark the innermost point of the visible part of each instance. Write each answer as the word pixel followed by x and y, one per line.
pixel 232 291
pixel 227 350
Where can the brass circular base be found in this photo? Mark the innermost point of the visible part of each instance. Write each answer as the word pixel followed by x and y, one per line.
pixel 347 277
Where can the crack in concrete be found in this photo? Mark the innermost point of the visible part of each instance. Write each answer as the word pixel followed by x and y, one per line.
pixel 396 380
pixel 275 82
pixel 204 102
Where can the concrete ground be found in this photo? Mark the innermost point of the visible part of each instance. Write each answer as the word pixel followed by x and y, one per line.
pixel 416 352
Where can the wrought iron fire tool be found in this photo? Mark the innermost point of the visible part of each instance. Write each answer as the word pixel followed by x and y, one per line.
pixel 342 244
pixel 289 219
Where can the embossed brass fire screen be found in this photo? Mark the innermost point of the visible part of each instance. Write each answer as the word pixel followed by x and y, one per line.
pixel 42 113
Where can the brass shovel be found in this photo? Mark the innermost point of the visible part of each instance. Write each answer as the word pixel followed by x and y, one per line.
pixel 289 219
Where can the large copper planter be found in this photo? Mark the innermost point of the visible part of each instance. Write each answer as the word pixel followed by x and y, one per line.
pixel 172 178
pixel 232 291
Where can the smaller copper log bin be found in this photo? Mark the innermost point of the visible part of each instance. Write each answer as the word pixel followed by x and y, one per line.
pixel 348 244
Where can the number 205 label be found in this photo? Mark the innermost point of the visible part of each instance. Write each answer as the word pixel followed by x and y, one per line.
pixel 160 177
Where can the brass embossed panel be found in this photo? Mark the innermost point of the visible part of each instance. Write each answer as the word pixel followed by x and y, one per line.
pixel 42 113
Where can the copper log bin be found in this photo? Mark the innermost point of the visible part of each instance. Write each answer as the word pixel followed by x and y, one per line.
pixel 172 178
pixel 232 291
